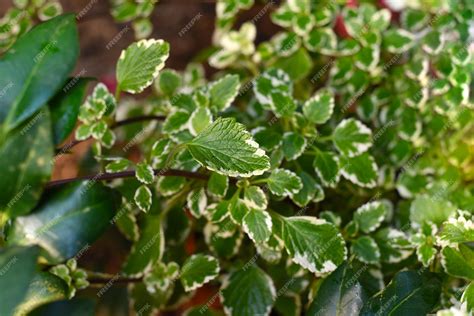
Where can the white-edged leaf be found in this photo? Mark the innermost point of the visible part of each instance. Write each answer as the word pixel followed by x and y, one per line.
pixel 117 165
pixel 248 291
pixel 398 41
pixel 352 138
pixel 255 197
pixel 142 198
pixel 361 170
pixel 144 173
pixel 366 250
pixel 140 63
pixel 326 165
pixel 217 184
pixel 370 215
pixel 458 262
pixel 283 182
pixel 223 92
pixel 430 209
pixel 320 107
pixel 198 270
pixel 313 243
pixel 258 225
pixel 293 145
pixel 199 120
pixel 227 148
pixel 270 82
pixel 459 229
pixel 311 190
pixel 197 202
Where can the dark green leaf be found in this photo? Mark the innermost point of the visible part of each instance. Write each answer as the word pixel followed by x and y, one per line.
pixel 35 68
pixel 26 160
pixel 64 108
pixel 17 269
pixel 339 294
pixel 67 220
pixel 409 293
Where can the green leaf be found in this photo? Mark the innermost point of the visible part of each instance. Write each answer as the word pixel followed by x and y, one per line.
pixel 297 66
pixel 327 167
pixel 140 64
pixel 313 243
pixel 142 198
pixel 17 266
pixel 117 165
pixel 176 121
pixel 238 209
pixel 311 190
pixel 36 67
pixel 199 120
pixel 459 229
pixel 393 244
pixel 197 270
pixel 398 41
pixel 258 225
pixel 223 92
pixel 255 197
pixel 148 249
pixel 320 107
pixel 458 262
pixel 169 81
pixel 283 182
pixel 288 304
pixel 360 170
pixel 270 82
pixel 409 293
pixel 468 297
pixel 26 158
pixel 217 184
pixel 144 173
pixel 369 216
pixel 64 108
pixel 248 292
pixel 352 138
pixel 366 250
pixel 227 148
pixel 67 220
pixel 293 145
pixel 44 288
pixel 434 209
pixel 197 202
pixel 338 294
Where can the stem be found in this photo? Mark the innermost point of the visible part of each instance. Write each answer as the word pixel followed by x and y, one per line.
pixel 131 120
pixel 136 119
pixel 117 94
pixel 129 174
pixel 265 180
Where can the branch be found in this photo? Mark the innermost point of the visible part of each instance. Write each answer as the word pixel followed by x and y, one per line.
pixel 140 118
pixel 129 174
pixel 131 120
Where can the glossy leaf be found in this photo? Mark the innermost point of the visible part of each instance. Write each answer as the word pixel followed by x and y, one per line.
pixel 248 292
pixel 18 265
pixel 35 67
pixel 26 157
pixel 67 220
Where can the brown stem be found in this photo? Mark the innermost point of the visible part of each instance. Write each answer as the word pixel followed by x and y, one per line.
pixel 131 120
pixel 129 174
pixel 140 118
